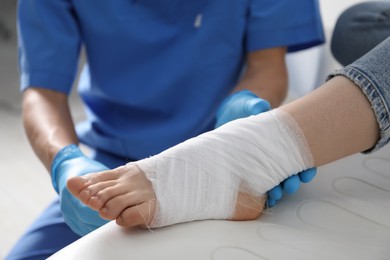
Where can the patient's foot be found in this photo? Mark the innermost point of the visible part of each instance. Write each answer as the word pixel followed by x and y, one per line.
pixel 124 194
pixel 127 195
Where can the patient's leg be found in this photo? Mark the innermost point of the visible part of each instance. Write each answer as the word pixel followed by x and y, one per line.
pixel 222 174
pixel 336 119
pixel 225 173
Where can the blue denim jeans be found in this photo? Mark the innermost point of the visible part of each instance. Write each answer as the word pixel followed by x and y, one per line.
pixel 371 73
pixel 359 29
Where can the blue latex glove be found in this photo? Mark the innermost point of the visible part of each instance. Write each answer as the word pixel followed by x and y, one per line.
pixel 68 162
pixel 290 185
pixel 243 104
pixel 239 105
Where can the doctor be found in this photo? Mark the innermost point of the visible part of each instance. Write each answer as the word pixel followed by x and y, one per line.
pixel 156 74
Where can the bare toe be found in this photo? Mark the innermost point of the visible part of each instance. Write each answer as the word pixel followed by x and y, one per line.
pixel 114 207
pixel 103 176
pixel 76 185
pixel 139 215
pixel 95 190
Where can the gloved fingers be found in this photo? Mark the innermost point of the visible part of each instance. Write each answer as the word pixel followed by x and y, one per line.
pixel 75 167
pixel 307 175
pixel 256 106
pixel 80 166
pixel 81 228
pixel 275 193
pixel 239 105
pixel 80 218
pixel 271 202
pixel 90 217
pixel 291 184
pixel 78 228
pixel 74 227
pixel 83 213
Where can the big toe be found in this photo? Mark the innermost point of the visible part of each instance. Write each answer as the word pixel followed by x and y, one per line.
pixel 76 184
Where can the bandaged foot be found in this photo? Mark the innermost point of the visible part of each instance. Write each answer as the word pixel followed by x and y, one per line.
pixel 222 174
pixel 125 194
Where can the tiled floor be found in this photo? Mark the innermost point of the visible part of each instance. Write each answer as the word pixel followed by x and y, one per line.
pixel 25 188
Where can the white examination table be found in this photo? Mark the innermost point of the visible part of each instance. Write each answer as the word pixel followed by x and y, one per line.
pixel 343 214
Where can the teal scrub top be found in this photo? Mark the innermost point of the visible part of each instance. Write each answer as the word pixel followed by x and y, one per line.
pixel 156 70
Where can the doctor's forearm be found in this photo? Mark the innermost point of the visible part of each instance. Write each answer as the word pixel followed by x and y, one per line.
pixel 266 75
pixel 47 122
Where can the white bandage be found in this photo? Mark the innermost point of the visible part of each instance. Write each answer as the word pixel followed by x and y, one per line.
pixel 200 178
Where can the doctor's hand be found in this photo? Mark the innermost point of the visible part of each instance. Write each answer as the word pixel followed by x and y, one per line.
pixel 243 104
pixel 290 185
pixel 239 105
pixel 68 162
